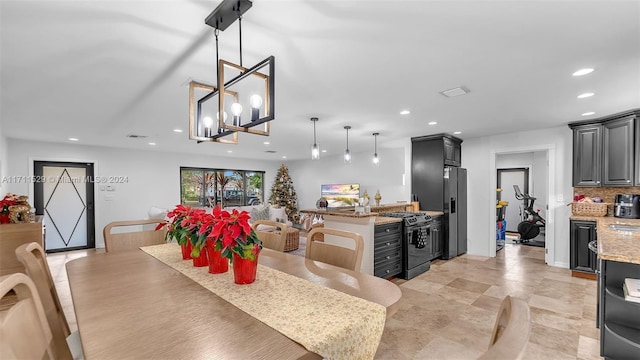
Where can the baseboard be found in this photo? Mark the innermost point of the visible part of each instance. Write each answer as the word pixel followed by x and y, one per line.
pixel 583 275
pixel 561 264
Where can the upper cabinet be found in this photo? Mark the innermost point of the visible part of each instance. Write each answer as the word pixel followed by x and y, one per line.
pixel 605 151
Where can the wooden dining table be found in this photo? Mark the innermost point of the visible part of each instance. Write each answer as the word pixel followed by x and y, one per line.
pixel 130 305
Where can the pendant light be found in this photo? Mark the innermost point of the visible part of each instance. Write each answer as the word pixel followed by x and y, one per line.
pixel 347 152
pixel 315 149
pixel 376 159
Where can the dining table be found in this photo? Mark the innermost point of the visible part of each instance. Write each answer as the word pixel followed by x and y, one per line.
pixel 134 305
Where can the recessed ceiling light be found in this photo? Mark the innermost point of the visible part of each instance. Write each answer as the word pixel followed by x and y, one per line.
pixel 457 132
pixel 455 91
pixel 177 130
pixel 584 71
pixel 266 143
pixel 585 95
pixel 229 151
pixel 284 157
pixel 152 143
pixel 324 151
pixel 433 122
pixel 73 139
pixel 405 112
pixel 588 113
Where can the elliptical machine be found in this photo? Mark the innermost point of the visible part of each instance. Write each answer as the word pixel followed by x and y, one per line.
pixel 532 222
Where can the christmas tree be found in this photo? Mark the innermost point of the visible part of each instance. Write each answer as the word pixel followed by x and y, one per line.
pixel 284 195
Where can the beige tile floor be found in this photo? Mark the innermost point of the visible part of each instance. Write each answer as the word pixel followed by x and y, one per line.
pixel 449 311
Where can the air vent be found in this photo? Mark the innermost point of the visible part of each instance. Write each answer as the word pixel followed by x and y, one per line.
pixel 270 151
pixel 134 136
pixel 455 91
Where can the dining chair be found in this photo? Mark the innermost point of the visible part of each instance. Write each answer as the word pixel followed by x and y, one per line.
pixel 272 234
pixel 24 330
pixel 133 239
pixel 67 344
pixel 510 332
pixel 348 258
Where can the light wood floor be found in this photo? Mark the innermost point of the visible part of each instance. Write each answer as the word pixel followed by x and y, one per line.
pixel 449 311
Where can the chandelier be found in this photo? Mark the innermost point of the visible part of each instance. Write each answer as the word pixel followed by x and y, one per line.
pixel 242 99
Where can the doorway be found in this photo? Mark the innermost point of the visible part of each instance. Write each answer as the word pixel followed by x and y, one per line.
pixel 507 178
pixel 65 197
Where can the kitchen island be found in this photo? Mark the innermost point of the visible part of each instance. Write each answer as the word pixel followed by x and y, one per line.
pixel 619 258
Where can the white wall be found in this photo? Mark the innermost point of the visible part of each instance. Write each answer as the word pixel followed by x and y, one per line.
pixel 3 162
pixel 309 175
pixel 538 173
pixel 478 156
pixel 153 176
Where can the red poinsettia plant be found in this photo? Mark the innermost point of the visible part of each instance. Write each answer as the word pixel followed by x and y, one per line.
pixel 231 233
pixel 228 232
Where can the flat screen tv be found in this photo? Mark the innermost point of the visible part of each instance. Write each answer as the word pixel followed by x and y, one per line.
pixel 340 194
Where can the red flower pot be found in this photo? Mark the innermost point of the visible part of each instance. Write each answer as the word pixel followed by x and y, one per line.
pixel 244 270
pixel 201 260
pixel 186 250
pixel 4 218
pixel 217 263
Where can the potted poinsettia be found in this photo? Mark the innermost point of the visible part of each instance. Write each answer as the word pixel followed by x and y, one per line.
pixel 236 240
pixel 184 226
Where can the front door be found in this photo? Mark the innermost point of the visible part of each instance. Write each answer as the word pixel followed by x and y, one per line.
pixel 65 197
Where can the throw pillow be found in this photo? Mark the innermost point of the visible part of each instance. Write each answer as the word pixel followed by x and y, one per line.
pixel 262 214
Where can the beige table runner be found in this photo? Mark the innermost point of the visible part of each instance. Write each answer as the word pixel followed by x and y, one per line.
pixel 325 321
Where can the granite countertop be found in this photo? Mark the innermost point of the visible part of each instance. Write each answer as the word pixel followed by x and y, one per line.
pixel 350 214
pixel 383 220
pixel 433 213
pixel 623 246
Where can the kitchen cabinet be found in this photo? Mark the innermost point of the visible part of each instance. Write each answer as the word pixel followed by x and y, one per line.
pixel 436 237
pixel 605 151
pixel 14 235
pixel 452 151
pixel 581 258
pixel 387 250
pixel 619 319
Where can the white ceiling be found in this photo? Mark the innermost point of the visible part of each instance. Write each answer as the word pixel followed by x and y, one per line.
pixel 98 70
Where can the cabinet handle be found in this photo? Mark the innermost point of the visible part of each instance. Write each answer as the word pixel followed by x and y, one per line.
pixel 388 257
pixel 388 271
pixel 388 244
pixel 387 230
pixel 628 181
pixel 597 182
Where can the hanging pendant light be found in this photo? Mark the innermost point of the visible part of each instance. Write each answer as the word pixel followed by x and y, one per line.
pixel 347 152
pixel 376 159
pixel 315 149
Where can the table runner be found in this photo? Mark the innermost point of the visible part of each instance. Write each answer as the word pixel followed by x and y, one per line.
pixel 328 322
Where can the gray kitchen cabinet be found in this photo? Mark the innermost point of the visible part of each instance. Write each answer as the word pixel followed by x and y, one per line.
pixel 387 250
pixel 605 151
pixel 587 155
pixel 581 258
pixel 436 237
pixel 618 151
pixel 619 319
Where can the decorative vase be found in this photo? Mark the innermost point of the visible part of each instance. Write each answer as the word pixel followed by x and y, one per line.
pixel 201 260
pixel 244 270
pixel 378 198
pixel 186 250
pixel 217 263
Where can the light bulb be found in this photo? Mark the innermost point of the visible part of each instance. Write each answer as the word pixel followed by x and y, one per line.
pixel 224 116
pixel 347 155
pixel 376 159
pixel 315 152
pixel 236 109
pixel 207 122
pixel 255 101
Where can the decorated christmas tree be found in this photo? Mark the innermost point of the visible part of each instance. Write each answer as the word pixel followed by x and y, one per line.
pixel 284 195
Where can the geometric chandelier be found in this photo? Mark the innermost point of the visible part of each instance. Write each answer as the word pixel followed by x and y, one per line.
pixel 243 98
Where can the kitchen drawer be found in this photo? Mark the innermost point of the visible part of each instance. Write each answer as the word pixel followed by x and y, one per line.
pixel 388 269
pixel 392 228
pixel 387 242
pixel 387 254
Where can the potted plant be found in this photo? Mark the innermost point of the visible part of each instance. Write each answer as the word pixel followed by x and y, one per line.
pixel 185 227
pixel 237 241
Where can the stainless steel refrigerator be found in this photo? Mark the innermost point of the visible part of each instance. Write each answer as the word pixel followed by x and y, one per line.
pixel 455 212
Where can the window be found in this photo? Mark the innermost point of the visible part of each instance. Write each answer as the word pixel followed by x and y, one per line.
pixel 208 187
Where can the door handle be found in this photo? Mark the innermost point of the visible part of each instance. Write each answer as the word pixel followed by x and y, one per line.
pixel 453 205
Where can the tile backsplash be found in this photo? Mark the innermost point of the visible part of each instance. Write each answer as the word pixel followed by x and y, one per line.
pixel 608 194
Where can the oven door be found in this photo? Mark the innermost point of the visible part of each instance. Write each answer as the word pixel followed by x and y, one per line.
pixel 418 247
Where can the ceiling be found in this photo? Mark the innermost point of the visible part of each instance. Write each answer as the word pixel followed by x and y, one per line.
pixel 99 70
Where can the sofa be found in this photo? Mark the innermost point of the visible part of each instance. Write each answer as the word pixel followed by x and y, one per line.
pixel 264 212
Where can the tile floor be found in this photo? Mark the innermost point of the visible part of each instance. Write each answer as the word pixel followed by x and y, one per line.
pixel 449 311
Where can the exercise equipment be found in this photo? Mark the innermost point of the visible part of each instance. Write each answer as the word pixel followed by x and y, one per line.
pixel 532 222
